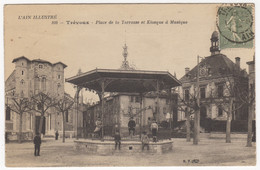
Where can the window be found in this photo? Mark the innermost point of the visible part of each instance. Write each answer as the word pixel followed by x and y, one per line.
pixel 167 101
pixel 50 120
pixel 40 66
pixel 59 76
pixel 22 72
pixel 37 83
pixel 22 63
pixel 137 99
pixel 22 82
pixel 132 99
pixel 67 116
pixel 22 93
pixel 220 91
pixel 43 84
pixel 137 111
pixel 220 111
pixel 164 110
pixel 8 113
pixel 202 93
pixel 186 112
pixel 186 95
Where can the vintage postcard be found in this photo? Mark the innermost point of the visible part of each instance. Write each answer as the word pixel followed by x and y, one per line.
pixel 129 85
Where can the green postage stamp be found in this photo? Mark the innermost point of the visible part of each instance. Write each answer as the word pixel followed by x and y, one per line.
pixel 235 24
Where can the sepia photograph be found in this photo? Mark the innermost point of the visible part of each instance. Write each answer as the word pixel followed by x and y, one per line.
pixel 123 85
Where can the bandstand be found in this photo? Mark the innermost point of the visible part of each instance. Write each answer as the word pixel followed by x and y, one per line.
pixel 123 81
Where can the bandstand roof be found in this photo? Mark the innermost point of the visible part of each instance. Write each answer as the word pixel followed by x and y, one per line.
pixel 130 81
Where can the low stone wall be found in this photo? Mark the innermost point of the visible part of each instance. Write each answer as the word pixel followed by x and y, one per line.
pixel 127 147
pixel 222 135
pixel 13 136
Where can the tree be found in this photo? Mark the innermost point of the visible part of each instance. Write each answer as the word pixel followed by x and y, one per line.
pixel 63 106
pixel 234 88
pixel 42 102
pixel 188 105
pixel 20 106
pixel 248 98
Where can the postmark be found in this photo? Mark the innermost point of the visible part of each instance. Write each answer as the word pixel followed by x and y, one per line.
pixel 235 24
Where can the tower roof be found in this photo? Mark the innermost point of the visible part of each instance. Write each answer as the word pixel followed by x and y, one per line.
pixel 214 35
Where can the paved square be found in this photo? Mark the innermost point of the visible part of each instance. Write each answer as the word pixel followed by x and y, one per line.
pixel 209 152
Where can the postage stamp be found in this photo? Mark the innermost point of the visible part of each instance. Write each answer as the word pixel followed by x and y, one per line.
pixel 235 24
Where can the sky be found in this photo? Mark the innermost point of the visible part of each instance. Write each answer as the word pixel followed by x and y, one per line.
pixel 162 47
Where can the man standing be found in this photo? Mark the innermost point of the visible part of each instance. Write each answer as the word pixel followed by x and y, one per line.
pixel 56 135
pixel 154 128
pixel 98 129
pixel 117 140
pixel 131 126
pixel 37 144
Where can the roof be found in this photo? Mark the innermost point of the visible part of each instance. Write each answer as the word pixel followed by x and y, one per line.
pixel 64 65
pixel 38 60
pixel 131 81
pixel 214 35
pixel 18 58
pixel 218 65
pixel 41 61
pixel 250 62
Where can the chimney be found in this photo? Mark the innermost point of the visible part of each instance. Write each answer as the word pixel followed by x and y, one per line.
pixel 238 61
pixel 187 69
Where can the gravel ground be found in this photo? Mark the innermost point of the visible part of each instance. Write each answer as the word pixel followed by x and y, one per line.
pixel 209 152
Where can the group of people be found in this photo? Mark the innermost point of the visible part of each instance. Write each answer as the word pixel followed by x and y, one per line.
pixel 153 127
pixel 131 127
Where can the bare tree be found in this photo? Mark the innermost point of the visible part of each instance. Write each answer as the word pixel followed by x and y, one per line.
pixel 20 106
pixel 63 106
pixel 189 106
pixel 248 98
pixel 42 102
pixel 235 85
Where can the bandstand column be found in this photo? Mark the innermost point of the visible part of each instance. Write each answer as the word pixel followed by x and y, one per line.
pixel 102 108
pixel 141 115
pixel 157 101
pixel 77 110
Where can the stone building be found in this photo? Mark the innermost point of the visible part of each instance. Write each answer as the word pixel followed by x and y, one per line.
pixel 251 83
pixel 121 106
pixel 29 78
pixel 217 74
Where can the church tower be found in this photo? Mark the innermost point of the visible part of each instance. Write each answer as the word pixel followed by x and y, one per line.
pixel 214 49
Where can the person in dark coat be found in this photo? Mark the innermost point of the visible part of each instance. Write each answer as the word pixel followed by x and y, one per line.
pixel 56 135
pixel 37 144
pixel 117 140
pixel 131 126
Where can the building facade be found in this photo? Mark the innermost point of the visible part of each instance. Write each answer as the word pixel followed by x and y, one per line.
pixel 251 84
pixel 120 107
pixel 219 80
pixel 28 79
